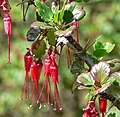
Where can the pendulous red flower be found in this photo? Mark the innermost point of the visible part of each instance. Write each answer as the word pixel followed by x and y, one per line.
pixel 7 29
pixel 50 70
pixel 102 105
pixel 28 57
pixel 35 70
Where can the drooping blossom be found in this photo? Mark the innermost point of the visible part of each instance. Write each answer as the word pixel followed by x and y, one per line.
pixel 27 64
pixel 35 70
pixel 4 5
pixel 102 105
pixel 90 110
pixel 7 29
pixel 51 73
pixel 54 76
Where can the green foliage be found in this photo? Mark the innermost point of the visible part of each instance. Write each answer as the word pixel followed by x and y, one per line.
pixel 41 25
pixel 51 37
pixel 86 79
pixel 44 11
pixel 101 49
pixel 39 49
pixel 112 115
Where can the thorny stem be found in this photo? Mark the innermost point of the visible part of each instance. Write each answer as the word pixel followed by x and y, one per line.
pixel 113 61
pixel 114 99
pixel 77 48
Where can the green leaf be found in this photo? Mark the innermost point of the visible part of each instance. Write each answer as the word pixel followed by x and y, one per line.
pixel 112 115
pixel 99 53
pixel 98 45
pixel 51 37
pixel 100 71
pixel 56 14
pixel 76 66
pixel 41 25
pixel 38 48
pixel 62 14
pixel 82 87
pixel 115 77
pixel 32 34
pixel 103 88
pixel 65 33
pixel 108 47
pixel 68 16
pixel 75 86
pixel 101 49
pixel 114 89
pixel 44 11
pixel 85 79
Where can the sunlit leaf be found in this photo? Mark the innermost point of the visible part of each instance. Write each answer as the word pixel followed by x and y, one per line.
pixel 101 49
pixel 32 34
pixel 100 71
pixel 56 14
pixel 61 14
pixel 40 25
pixel 44 11
pixel 108 47
pixel 115 77
pixel 85 79
pixel 98 45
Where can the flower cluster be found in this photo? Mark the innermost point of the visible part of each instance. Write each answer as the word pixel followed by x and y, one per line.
pixel 4 5
pixel 90 110
pixel 46 94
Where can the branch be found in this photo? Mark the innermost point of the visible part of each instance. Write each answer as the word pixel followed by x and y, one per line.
pixel 114 99
pixel 113 61
pixel 78 51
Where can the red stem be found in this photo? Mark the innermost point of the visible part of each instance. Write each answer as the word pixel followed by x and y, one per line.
pixel 102 114
pixel 8 49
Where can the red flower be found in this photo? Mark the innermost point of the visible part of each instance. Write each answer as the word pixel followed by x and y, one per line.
pixel 35 69
pixel 90 110
pixel 47 63
pixel 50 70
pixel 4 5
pixel 102 105
pixel 7 30
pixel 54 72
pixel 27 63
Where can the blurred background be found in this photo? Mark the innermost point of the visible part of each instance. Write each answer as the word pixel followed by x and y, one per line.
pixel 102 18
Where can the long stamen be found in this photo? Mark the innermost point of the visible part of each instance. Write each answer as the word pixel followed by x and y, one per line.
pixel 58 97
